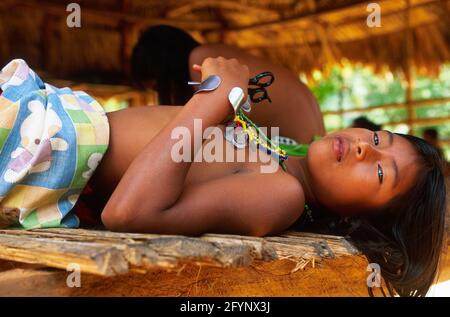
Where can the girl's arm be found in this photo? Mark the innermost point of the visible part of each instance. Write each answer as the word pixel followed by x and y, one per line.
pixel 293 109
pixel 152 197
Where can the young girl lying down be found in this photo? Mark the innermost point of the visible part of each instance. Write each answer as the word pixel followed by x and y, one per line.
pixel 53 141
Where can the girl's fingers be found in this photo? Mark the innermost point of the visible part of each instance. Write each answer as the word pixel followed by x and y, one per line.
pixel 197 68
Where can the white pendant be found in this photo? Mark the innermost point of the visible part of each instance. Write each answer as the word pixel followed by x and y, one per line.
pixel 236 136
pixel 235 97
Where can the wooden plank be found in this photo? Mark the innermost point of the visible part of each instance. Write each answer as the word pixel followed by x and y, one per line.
pixel 92 257
pixel 147 251
pixel 110 253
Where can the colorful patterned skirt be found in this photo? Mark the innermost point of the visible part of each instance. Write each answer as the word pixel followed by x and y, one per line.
pixel 51 142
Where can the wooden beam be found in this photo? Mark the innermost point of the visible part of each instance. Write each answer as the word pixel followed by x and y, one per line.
pixel 325 42
pixel 190 6
pixel 374 32
pixel 298 45
pixel 439 120
pixel 409 67
pixel 425 121
pixel 6 4
pixel 416 122
pixel 294 19
pixel 441 11
pixel 439 40
pixel 113 18
pixel 312 5
pixel 414 103
pixel 363 16
pixel 445 141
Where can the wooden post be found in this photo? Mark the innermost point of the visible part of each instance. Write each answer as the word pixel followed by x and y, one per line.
pixel 341 101
pixel 409 76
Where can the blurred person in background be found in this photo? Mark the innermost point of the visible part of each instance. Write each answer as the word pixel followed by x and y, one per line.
pixel 160 61
pixel 363 122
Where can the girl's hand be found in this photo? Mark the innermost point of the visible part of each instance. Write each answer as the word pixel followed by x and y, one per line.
pixel 233 73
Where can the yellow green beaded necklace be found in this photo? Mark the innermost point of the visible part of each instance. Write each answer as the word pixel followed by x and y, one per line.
pixel 283 151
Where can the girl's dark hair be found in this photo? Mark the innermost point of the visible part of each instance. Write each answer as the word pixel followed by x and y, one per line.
pixel 162 55
pixel 405 238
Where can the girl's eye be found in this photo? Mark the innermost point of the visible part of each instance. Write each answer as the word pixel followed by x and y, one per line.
pixel 376 139
pixel 380 174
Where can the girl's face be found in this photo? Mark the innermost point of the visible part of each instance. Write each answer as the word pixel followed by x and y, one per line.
pixel 355 169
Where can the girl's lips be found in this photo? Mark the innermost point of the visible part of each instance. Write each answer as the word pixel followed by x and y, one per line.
pixel 339 148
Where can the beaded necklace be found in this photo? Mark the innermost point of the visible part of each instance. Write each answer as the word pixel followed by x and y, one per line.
pixel 255 135
pixel 283 151
pixel 301 150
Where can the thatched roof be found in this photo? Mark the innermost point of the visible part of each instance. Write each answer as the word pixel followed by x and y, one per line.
pixel 304 35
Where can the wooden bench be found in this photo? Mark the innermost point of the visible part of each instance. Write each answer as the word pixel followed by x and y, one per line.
pixel 294 263
pixel 157 263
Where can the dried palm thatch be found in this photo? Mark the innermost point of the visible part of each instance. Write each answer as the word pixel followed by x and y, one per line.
pixel 303 35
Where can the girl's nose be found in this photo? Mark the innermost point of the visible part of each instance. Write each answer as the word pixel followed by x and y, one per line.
pixel 363 149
